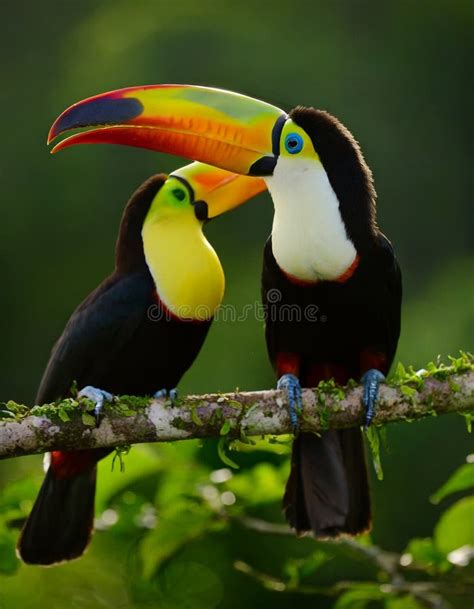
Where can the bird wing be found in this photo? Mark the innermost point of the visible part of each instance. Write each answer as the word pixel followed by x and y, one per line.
pixel 383 303
pixel 99 328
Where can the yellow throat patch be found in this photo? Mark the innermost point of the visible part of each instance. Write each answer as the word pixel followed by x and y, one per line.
pixel 188 275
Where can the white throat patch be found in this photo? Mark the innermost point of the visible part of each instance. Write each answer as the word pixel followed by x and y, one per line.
pixel 309 237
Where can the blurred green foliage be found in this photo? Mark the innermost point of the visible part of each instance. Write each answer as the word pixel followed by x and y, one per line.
pixel 397 74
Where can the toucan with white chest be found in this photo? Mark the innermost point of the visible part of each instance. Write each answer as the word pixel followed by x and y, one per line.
pixel 325 254
pixel 137 333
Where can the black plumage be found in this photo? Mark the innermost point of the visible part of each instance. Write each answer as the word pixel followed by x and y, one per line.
pixel 120 339
pixel 334 329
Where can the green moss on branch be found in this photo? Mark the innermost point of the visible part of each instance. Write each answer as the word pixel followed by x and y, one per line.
pixel 68 424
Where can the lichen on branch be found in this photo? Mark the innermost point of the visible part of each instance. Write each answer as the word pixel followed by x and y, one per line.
pixel 68 424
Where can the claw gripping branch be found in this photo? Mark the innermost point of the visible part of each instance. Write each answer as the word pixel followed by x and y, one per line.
pixel 130 420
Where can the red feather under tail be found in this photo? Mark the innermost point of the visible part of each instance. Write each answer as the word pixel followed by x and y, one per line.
pixel 60 524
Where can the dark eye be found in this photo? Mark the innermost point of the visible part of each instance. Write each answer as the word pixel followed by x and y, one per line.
pixel 178 193
pixel 293 143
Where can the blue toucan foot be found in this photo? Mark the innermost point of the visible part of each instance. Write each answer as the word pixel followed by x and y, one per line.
pixel 371 381
pixel 291 384
pixel 172 394
pixel 98 396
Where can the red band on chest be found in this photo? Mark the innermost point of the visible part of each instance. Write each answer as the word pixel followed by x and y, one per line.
pixel 301 282
pixel 341 279
pixel 163 313
pixel 349 272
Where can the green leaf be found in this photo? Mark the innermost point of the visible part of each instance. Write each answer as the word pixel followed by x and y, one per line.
pixel 189 585
pixel 455 528
pixel 468 417
pixel 221 450
pixel 461 480
pixel 88 419
pixel 408 391
pixel 400 372
pixel 402 602
pixel 63 414
pixel 225 428
pixel 359 596
pixel 180 524
pixel 373 438
pixel 425 554
pixel 195 417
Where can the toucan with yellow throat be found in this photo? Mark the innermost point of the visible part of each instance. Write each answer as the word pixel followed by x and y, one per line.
pixel 325 254
pixel 137 333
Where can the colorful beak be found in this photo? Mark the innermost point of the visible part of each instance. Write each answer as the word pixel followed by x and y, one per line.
pixel 217 190
pixel 220 128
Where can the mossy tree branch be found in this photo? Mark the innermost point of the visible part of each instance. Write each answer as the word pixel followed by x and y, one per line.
pixel 68 424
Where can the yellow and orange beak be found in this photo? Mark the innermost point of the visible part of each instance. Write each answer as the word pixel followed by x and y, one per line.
pixel 220 128
pixel 216 189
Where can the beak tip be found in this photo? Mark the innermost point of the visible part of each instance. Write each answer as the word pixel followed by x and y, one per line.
pixel 59 146
pixel 102 110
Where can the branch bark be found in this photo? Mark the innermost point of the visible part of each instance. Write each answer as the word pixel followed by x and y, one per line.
pixel 131 420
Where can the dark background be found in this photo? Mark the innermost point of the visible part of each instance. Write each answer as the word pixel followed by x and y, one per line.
pixel 396 73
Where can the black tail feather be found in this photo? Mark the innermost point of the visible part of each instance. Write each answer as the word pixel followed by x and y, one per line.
pixel 327 491
pixel 60 525
pixel 359 518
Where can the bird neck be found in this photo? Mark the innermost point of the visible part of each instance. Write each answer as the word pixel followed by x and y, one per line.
pixel 185 268
pixel 309 237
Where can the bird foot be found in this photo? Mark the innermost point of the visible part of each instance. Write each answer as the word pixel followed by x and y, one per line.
pixel 98 396
pixel 172 394
pixel 291 385
pixel 371 381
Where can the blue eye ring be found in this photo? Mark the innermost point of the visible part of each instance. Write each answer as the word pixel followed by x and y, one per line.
pixel 294 143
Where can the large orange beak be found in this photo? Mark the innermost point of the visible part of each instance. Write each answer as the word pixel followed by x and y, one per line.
pixel 220 128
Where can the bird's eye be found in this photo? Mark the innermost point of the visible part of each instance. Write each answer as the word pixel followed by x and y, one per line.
pixel 294 143
pixel 178 193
